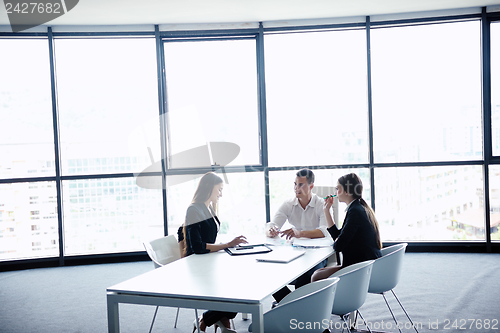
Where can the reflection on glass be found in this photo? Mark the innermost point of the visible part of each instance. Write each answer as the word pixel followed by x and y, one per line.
pixel 430 203
pixel 494 202
pixel 109 215
pixel 242 209
pixel 108 105
pixel 212 97
pixel 281 186
pixel 426 83
pixel 495 86
pixel 316 95
pixel 26 135
pixel 28 221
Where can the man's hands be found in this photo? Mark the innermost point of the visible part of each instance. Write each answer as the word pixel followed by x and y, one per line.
pixel 289 233
pixel 272 232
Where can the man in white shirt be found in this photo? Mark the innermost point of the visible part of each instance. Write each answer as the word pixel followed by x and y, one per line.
pixel 305 213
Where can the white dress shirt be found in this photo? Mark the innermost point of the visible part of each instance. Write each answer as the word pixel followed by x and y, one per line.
pixel 310 218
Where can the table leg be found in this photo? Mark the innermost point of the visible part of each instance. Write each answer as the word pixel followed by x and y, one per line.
pixel 113 315
pixel 258 319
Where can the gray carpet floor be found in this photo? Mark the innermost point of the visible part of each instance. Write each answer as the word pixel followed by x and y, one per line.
pixel 442 292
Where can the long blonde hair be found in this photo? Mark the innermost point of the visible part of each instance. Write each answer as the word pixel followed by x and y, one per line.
pixel 205 189
pixel 202 194
pixel 352 184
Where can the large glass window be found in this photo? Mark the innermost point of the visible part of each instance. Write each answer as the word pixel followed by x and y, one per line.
pixel 495 87
pixel 109 215
pixel 242 208
pixel 430 203
pixel 212 97
pixel 316 91
pixel 427 92
pixel 108 105
pixel 495 202
pixel 26 132
pixel 28 221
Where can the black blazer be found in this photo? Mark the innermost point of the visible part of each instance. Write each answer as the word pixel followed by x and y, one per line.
pixel 357 238
pixel 201 228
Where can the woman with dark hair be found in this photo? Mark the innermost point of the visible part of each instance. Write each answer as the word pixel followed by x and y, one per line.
pixel 200 230
pixel 359 237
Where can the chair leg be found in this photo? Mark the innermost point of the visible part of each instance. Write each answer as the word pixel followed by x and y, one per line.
pixel 364 321
pixel 154 317
pixel 414 327
pixel 176 317
pixel 392 313
pixel 346 323
pixel 197 323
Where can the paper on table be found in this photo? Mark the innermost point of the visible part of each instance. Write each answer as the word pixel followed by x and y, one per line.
pixel 313 242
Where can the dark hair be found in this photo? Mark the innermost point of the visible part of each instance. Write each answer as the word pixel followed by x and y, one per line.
pixel 352 185
pixel 306 173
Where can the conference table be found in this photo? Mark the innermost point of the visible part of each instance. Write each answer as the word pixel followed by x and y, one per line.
pixel 215 281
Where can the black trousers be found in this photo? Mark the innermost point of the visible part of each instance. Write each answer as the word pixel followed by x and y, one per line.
pixel 299 282
pixel 211 317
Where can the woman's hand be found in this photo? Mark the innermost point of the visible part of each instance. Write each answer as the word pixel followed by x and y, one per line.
pixel 328 204
pixel 237 241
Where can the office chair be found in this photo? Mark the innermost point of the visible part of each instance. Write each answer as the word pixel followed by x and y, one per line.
pixel 386 273
pixel 351 290
pixel 308 304
pixel 163 251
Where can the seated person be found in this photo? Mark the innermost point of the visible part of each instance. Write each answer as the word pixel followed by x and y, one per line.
pixel 305 214
pixel 359 237
pixel 200 232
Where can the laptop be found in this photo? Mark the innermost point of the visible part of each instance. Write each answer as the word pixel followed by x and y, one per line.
pixel 280 255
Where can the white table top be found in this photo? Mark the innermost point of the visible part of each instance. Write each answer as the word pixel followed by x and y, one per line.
pixel 221 277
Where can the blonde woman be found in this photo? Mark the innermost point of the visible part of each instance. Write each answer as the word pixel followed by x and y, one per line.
pixel 200 230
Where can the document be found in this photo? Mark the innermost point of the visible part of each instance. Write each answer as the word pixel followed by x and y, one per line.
pixel 312 242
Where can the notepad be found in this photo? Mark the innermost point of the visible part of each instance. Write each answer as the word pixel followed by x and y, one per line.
pixel 248 249
pixel 281 255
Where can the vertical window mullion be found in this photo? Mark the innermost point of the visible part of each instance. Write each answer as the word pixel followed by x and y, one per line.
pixel 57 159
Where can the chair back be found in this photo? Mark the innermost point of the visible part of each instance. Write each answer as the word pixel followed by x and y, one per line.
pixel 387 269
pixel 163 250
pixel 352 287
pixel 308 304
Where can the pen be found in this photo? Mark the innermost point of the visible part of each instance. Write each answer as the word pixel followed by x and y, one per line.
pixel 244 247
pixel 330 196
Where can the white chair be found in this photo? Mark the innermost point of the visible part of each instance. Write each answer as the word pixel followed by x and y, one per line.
pixel 308 304
pixel 352 290
pixel 163 251
pixel 386 273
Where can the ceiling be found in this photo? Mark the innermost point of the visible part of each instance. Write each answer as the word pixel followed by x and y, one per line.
pixel 127 12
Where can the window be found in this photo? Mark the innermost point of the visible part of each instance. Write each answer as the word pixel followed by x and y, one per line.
pixel 108 105
pixel 95 222
pixel 495 86
pixel 316 92
pixel 495 202
pixel 426 83
pixel 19 230
pixel 402 201
pixel 212 97
pixel 26 135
